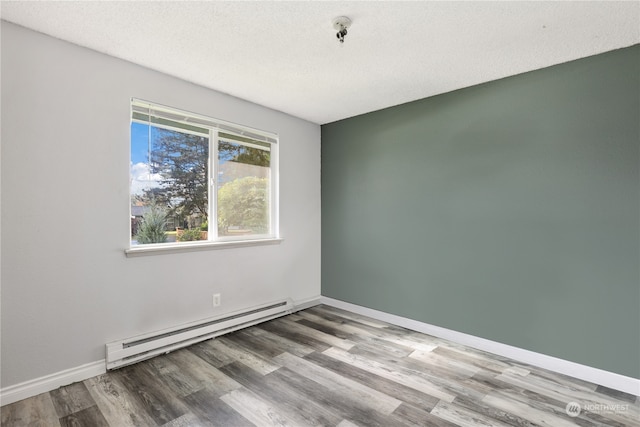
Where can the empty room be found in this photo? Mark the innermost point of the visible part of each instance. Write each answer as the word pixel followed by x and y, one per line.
pixel 306 213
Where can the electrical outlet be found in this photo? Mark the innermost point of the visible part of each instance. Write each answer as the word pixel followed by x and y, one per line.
pixel 216 300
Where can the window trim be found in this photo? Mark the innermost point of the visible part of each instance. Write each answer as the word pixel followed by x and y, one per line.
pixel 199 120
pixel 174 248
pixel 214 127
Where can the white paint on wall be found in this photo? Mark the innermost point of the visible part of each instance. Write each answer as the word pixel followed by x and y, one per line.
pixel 67 286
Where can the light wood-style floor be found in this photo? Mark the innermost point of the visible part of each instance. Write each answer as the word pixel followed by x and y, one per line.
pixel 326 367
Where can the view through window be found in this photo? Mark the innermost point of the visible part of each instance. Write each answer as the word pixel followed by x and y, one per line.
pixel 195 178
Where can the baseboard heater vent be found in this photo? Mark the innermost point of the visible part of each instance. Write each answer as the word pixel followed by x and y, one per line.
pixel 135 349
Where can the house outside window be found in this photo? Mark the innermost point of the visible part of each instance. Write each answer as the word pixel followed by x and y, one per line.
pixel 199 179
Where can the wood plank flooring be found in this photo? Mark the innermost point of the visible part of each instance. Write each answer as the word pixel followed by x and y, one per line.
pixel 326 367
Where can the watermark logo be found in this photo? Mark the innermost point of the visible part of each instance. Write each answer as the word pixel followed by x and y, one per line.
pixel 573 409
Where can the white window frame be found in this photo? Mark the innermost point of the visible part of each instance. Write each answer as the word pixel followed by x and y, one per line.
pixel 214 127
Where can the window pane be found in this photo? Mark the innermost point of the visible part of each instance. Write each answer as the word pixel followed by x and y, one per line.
pixel 243 188
pixel 142 183
pixel 170 194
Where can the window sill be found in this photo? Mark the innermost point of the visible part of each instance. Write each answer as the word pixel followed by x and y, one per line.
pixel 146 250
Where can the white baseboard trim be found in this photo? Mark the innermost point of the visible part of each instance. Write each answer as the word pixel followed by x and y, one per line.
pixel 630 385
pixel 50 382
pixel 307 303
pixel 47 383
pixel 576 370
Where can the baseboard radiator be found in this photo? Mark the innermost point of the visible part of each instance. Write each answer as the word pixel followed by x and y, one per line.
pixel 135 349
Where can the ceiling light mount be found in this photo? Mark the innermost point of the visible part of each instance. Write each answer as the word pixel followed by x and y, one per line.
pixel 341 24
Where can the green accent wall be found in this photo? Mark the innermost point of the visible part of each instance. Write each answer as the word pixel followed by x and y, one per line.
pixel 508 210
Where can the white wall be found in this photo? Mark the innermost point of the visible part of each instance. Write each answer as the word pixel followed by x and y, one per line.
pixel 67 287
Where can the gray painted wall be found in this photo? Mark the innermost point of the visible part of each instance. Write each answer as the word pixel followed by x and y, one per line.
pixel 67 287
pixel 509 211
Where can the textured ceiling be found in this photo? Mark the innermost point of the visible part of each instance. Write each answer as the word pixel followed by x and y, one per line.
pixel 284 55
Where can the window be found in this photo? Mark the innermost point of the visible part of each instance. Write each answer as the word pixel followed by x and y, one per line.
pixel 199 179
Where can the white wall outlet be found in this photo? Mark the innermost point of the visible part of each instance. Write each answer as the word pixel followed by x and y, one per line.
pixel 216 300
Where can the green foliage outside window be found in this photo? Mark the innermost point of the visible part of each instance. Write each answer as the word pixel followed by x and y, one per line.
pixel 190 235
pixel 152 226
pixel 242 204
